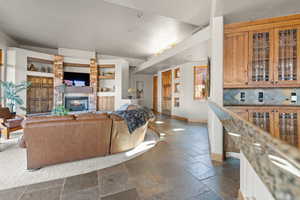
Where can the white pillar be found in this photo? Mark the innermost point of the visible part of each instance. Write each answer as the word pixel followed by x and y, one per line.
pixel 215 127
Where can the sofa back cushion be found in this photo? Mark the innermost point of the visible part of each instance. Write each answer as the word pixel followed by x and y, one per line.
pixel 91 116
pixel 47 119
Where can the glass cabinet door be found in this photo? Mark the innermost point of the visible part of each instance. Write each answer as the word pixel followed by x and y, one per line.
pixel 287 128
pixel 287 56
pixel 261 58
pixel 263 119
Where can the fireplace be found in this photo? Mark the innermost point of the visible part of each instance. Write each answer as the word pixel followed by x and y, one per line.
pixel 77 103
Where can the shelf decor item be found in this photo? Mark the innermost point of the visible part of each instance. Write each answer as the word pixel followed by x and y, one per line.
pixel 11 94
pixel 32 68
pixel 131 92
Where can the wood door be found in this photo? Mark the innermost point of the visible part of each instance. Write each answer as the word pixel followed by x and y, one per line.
pixel 242 112
pixel 263 118
pixel 39 95
pixel 260 67
pixel 287 57
pixel 106 103
pixel 236 60
pixel 155 90
pixel 288 126
pixel 167 92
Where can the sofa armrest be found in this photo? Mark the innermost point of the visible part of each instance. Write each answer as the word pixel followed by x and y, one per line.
pixel 116 117
pixel 2 120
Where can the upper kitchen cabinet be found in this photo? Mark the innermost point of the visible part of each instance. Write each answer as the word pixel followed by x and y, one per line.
pixel 273 57
pixel 287 56
pixel 260 70
pixel 235 60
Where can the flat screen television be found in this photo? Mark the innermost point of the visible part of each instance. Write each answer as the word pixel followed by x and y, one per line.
pixel 76 79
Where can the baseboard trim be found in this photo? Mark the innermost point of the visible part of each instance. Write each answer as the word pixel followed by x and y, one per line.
pixel 217 157
pixel 197 121
pixel 241 196
pixel 233 155
pixel 179 118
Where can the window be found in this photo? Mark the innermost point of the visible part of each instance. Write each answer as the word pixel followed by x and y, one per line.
pixel 200 82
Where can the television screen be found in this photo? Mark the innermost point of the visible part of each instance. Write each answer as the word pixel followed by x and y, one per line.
pixel 76 79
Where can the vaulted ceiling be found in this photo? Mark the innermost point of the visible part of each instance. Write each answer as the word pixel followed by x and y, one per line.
pixel 131 28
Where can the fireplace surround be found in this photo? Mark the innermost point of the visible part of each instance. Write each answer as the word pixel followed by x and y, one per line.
pixel 79 103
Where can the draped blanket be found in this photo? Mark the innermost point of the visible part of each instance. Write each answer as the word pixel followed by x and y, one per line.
pixel 135 118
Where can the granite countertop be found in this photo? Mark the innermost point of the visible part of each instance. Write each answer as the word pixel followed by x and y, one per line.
pixel 276 163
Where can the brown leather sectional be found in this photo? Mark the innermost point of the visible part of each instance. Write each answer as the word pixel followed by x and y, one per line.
pixel 58 139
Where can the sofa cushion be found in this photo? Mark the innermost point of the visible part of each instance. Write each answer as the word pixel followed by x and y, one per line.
pixel 89 116
pixel 13 123
pixel 49 118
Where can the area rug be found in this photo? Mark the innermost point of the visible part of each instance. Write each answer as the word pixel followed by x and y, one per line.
pixel 13 172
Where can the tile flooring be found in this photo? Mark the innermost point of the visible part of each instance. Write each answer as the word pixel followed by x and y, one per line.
pixel 178 168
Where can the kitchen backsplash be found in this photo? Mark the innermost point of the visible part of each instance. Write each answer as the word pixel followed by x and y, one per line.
pixel 266 97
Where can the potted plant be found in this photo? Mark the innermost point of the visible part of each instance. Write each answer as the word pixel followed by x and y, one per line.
pixel 11 94
pixel 60 111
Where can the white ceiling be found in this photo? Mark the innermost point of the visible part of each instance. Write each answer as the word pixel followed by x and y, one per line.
pixel 195 54
pixel 195 12
pixel 246 10
pixel 90 25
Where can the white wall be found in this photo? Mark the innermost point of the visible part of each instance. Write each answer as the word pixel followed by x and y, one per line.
pixel 194 110
pixel 148 88
pixel 251 186
pixel 215 127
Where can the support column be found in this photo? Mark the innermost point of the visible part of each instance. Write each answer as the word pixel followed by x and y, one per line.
pixel 215 127
pixel 93 84
pixel 58 70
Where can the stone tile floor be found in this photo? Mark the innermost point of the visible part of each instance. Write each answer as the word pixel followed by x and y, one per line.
pixel 178 168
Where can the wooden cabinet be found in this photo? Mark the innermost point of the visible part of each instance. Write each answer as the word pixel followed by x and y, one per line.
pixel 287 56
pixel 260 70
pixel 263 118
pixel 39 95
pixel 240 111
pixel 106 103
pixel 281 122
pixel 235 60
pixel 267 51
pixel 288 125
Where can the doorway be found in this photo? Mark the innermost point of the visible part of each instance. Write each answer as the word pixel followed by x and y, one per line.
pixel 167 92
pixel 155 90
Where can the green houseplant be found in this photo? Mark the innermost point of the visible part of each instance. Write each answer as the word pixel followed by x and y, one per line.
pixel 11 94
pixel 60 111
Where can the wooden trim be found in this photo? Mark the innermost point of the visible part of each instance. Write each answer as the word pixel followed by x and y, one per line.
pixel 40 60
pixel 240 195
pixel 106 66
pixel 263 23
pixel 106 77
pixel 197 121
pixel 179 118
pixel 217 157
pixel 65 64
pixel 1 57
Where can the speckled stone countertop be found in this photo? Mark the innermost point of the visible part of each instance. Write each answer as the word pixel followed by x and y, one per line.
pixel 276 163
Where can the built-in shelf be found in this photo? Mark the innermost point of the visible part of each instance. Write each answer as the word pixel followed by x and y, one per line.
pixel 40 74
pixel 106 66
pixel 106 77
pixel 85 89
pixel 39 60
pixel 103 94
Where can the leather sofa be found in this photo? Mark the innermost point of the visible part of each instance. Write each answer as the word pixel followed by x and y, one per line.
pixel 58 139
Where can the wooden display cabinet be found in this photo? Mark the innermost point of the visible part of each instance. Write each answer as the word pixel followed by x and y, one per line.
pixel 287 56
pixel 260 70
pixel 263 117
pixel 288 125
pixel 263 53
